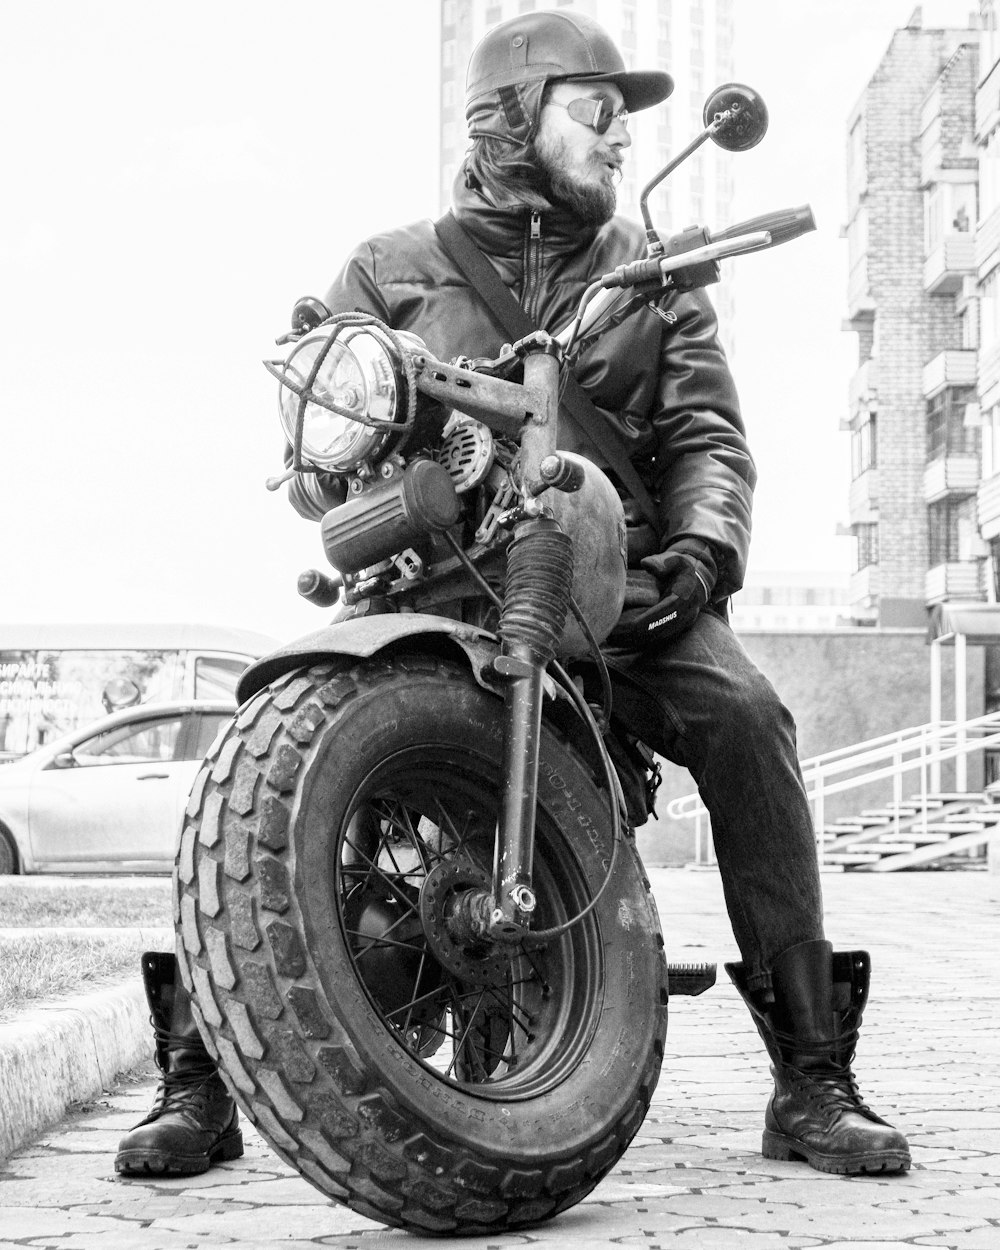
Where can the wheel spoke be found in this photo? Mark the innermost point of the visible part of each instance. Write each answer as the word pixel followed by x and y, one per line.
pixel 380 940
pixel 415 1002
pixel 383 876
pixel 407 824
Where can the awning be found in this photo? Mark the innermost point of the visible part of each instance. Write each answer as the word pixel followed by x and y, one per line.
pixel 979 623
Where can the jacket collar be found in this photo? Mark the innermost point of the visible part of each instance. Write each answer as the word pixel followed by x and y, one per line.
pixel 499 229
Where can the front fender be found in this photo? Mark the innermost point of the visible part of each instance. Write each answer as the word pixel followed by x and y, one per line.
pixel 363 637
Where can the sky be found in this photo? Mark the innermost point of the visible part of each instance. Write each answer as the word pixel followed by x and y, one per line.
pixel 176 176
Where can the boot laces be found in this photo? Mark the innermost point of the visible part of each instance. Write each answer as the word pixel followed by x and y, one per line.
pixel 831 1086
pixel 186 1087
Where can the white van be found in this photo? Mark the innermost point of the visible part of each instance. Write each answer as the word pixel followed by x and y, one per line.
pixel 57 678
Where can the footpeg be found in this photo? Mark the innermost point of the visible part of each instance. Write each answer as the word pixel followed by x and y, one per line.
pixel 690 978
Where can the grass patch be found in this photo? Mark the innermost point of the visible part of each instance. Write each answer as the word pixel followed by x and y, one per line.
pixel 101 904
pixel 38 968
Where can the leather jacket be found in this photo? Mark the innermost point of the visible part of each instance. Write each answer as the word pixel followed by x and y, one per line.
pixel 665 389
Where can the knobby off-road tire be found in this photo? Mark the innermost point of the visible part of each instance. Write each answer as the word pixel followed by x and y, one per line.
pixel 418 1084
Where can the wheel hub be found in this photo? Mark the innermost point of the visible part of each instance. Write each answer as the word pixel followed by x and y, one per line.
pixel 444 914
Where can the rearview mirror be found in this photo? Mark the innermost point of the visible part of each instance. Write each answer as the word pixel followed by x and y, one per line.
pixel 746 124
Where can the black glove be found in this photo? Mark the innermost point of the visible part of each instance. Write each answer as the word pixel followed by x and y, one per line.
pixel 686 574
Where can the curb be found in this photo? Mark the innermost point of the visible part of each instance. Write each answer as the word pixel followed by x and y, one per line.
pixel 66 1052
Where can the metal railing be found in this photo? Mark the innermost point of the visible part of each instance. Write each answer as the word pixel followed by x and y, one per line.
pixel 919 750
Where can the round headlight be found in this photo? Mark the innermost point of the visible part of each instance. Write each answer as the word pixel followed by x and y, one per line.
pixel 355 370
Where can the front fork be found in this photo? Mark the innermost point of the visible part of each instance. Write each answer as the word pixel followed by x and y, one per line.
pixel 536 600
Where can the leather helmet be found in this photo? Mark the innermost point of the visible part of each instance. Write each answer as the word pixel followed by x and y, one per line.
pixel 512 63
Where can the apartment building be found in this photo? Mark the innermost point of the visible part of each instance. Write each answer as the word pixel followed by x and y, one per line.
pixel 987 272
pixel 692 39
pixel 913 170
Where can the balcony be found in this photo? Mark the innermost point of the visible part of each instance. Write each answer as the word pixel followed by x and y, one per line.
pixel 954 367
pixel 863 498
pixel 954 477
pixel 951 261
pixel 860 304
pixel 988 104
pixel 864 589
pixel 989 375
pixel 862 391
pixel 988 507
pixel 987 238
pixel 958 579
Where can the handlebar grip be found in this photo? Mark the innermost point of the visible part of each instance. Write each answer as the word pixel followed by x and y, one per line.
pixel 783 225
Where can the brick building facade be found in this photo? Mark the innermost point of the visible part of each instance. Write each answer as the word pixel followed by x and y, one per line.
pixel 912 173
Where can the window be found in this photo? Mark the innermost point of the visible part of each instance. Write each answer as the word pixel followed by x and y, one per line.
pixel 857 236
pixel 995 572
pixel 448 13
pixel 989 175
pixel 864 447
pixel 857 162
pixel 989 311
pixel 949 208
pixel 947 433
pixel 942 532
pixel 448 52
pixel 934 211
pixel 991 442
pixel 448 94
pixel 215 677
pixel 206 730
pixel 867 536
pixel 132 743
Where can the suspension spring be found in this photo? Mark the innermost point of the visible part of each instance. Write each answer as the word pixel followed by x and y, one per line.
pixel 538 586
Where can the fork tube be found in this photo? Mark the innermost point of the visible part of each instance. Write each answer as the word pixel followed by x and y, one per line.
pixel 536 600
pixel 522 731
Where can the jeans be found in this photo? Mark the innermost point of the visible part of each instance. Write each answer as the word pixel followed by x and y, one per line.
pixel 722 720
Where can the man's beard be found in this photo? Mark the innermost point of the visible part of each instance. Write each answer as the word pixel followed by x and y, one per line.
pixel 593 203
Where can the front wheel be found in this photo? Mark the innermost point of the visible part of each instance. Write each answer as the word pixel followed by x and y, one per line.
pixel 422 1077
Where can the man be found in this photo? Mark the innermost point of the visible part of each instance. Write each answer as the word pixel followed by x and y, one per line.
pixel 547 102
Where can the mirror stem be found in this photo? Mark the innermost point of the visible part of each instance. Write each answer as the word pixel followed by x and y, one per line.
pixel 654 246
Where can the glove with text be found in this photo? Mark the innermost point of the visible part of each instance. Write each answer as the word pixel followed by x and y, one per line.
pixel 686 574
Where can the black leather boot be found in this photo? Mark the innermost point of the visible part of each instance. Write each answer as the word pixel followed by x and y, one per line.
pixel 194 1122
pixel 810 1030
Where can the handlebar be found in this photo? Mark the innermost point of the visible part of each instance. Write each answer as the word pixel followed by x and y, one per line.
pixel 768 230
pixel 692 248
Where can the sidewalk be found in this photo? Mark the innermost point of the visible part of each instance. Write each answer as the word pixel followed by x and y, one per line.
pixel 693 1179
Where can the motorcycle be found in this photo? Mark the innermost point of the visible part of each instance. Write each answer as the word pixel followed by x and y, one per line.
pixel 409 907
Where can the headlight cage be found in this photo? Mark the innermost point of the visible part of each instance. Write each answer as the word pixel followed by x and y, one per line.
pixel 306 394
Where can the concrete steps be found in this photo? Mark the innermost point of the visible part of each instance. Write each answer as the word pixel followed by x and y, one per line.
pixel 883 839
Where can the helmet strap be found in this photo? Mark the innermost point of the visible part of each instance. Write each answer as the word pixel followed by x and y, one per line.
pixel 517 123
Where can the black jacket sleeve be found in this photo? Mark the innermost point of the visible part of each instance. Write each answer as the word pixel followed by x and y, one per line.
pixel 704 473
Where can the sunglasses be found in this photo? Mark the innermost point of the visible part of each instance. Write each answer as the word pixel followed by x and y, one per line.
pixel 597 112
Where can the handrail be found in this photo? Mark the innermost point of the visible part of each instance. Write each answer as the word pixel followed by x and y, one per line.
pixel 888 757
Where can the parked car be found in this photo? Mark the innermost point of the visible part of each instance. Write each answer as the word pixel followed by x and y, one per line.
pixel 109 796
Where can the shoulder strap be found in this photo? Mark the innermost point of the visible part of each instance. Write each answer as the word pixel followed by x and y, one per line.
pixel 513 320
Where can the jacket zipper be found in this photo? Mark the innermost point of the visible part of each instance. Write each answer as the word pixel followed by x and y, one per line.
pixel 532 266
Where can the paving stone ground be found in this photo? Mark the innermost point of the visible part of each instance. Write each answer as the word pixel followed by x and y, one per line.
pixel 693 1179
